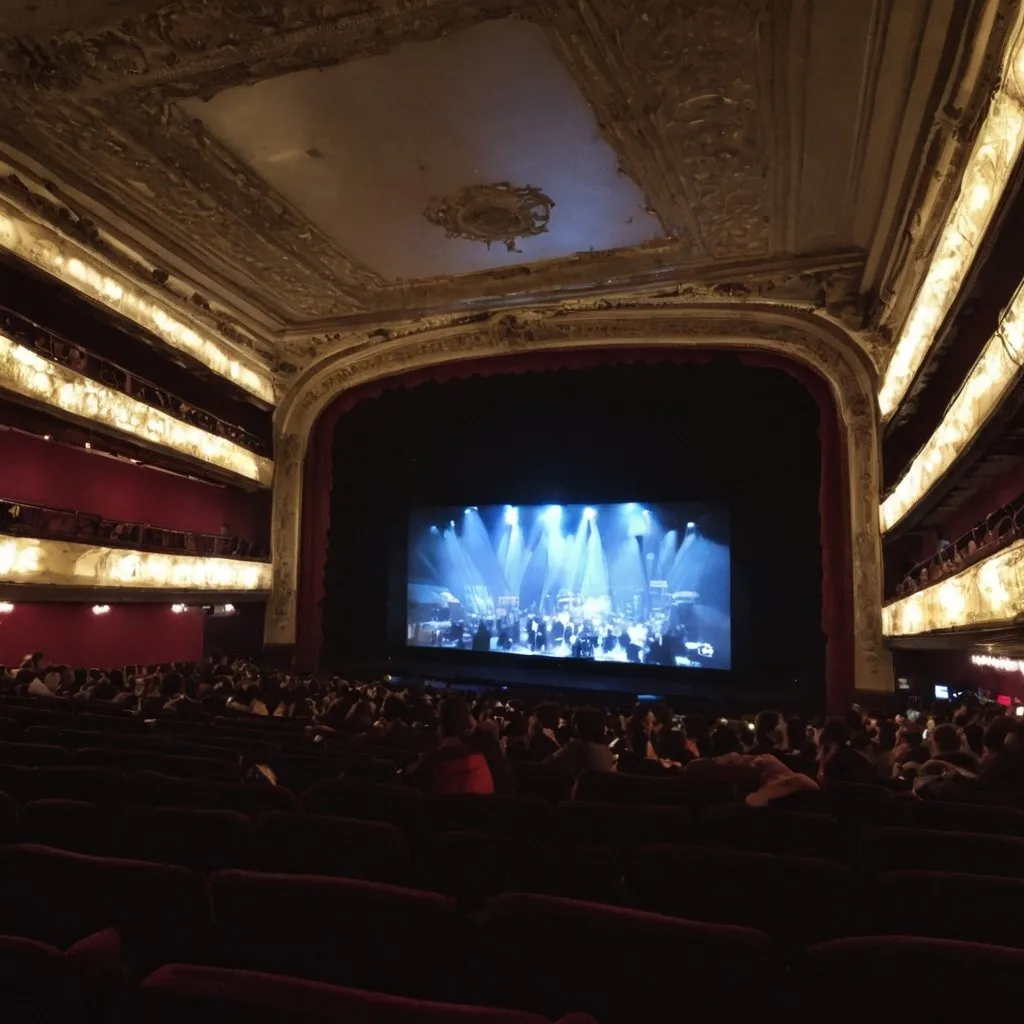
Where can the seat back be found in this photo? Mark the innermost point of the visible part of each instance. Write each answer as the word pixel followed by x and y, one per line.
pixel 369 801
pixel 340 930
pixel 955 817
pixel 525 939
pixel 770 830
pixel 899 849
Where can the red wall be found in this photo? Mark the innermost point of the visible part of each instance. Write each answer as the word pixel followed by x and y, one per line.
pixel 70 634
pixel 40 472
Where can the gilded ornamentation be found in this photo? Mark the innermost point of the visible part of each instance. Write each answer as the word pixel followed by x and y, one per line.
pixel 988 593
pixel 798 335
pixel 25 373
pixel 492 213
pixel 28 560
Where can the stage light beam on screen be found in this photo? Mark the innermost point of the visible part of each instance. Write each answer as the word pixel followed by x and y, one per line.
pixel 511 515
pixel 553 514
pixel 590 514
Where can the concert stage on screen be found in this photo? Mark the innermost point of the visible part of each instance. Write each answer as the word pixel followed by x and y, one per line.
pixel 631 583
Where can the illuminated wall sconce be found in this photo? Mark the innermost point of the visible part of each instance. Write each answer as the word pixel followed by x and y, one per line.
pixel 6 607
pixel 1001 664
pixel 178 609
pixel 100 609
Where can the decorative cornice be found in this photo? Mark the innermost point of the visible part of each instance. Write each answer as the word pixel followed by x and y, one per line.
pixel 993 376
pixel 80 258
pixel 988 171
pixel 988 593
pixel 27 374
pixel 31 561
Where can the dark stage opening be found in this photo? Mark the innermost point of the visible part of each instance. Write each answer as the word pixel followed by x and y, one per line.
pixel 738 440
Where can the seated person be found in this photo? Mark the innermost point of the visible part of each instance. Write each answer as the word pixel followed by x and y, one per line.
pixel 467 760
pixel 541 740
pixel 588 749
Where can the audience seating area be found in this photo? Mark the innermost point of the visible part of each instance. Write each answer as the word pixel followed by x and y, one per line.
pixel 142 879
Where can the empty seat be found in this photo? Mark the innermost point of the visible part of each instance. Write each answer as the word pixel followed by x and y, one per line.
pixel 599 842
pixel 770 830
pixel 524 941
pixel 371 801
pixel 801 899
pixel 206 994
pixel 124 760
pixel 1005 821
pixel 251 799
pixel 867 804
pixel 8 818
pixel 10 730
pixel 199 838
pixel 70 825
pixel 498 815
pixel 339 929
pixel 207 769
pixel 694 793
pixel 316 844
pixel 542 780
pixel 120 722
pixel 898 849
pixel 69 782
pixel 40 983
pixel 61 897
pixel 31 755
pixel 948 905
pixel 856 976
pixel 298 772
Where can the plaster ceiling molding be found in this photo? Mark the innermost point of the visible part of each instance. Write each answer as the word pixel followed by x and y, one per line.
pixel 993 376
pixel 987 593
pixel 59 388
pixel 989 169
pixel 492 213
pixel 28 561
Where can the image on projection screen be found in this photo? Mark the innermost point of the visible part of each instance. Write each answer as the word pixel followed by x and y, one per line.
pixel 631 583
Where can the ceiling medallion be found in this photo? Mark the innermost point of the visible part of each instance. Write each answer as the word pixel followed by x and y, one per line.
pixel 492 213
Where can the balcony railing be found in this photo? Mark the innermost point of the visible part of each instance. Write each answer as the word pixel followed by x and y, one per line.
pixel 998 530
pixel 20 519
pixel 59 350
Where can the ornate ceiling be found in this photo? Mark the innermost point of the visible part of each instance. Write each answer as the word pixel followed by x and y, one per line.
pixel 318 167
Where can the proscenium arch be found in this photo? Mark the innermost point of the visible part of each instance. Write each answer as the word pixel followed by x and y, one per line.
pixel 798 336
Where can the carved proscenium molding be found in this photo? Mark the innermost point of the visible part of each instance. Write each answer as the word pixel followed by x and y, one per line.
pixel 811 341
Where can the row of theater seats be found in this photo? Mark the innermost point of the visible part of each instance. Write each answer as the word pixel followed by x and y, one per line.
pixel 541 954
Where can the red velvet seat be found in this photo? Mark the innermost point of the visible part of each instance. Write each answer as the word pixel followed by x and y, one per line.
pixel 542 780
pixel 61 897
pixel 119 722
pixel 547 954
pixel 770 830
pixel 76 825
pixel 947 980
pixel 369 801
pixel 315 844
pixel 947 905
pixel 124 760
pixel 10 730
pixel 251 799
pixel 499 815
pixel 1005 821
pixel 695 793
pixel 8 818
pixel 203 994
pixel 898 849
pixel 40 983
pixel 31 755
pixel 351 932
pixel 299 771
pixel 202 839
pixel 863 803
pixel 71 782
pixel 206 769
pixel 800 899
pixel 599 842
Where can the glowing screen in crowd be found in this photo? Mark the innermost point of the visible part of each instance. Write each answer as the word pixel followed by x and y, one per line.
pixel 631 583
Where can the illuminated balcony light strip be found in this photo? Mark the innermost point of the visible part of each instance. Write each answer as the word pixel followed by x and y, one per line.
pixel 996 151
pixel 987 593
pixel 114 290
pixel 66 564
pixel 989 381
pixel 26 373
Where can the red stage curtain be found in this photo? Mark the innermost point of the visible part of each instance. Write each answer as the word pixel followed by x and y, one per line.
pixel 837 571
